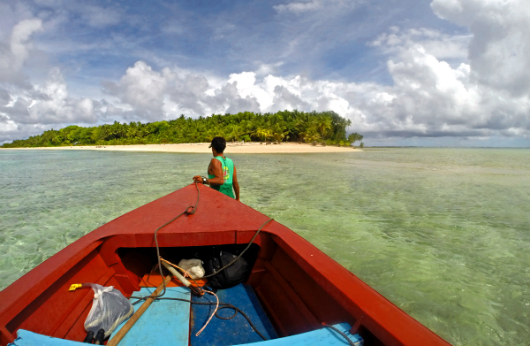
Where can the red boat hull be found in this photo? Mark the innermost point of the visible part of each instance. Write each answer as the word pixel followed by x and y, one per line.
pixel 299 286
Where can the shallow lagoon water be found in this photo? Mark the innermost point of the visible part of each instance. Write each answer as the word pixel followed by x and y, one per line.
pixel 442 233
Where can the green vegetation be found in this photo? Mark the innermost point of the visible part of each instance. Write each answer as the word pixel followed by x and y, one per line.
pixel 325 128
pixel 355 137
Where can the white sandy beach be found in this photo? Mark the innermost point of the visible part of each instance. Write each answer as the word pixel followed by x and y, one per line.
pixel 232 148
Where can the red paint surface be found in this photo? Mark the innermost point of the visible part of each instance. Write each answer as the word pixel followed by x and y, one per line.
pixel 299 286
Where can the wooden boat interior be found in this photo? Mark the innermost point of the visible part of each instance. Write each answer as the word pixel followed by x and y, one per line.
pixel 293 303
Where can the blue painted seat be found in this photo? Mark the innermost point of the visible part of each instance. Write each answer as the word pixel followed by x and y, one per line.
pixel 27 338
pixel 165 322
pixel 324 336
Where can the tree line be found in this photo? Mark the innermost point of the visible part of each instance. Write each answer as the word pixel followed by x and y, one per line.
pixel 327 128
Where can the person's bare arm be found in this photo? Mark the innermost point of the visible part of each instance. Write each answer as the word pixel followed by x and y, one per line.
pixel 216 168
pixel 235 183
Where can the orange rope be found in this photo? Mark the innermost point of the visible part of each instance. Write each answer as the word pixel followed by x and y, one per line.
pixel 216 307
pixel 184 272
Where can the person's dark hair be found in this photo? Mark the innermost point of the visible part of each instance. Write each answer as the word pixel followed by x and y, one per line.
pixel 219 144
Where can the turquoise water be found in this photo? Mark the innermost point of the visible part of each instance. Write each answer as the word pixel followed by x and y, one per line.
pixel 442 233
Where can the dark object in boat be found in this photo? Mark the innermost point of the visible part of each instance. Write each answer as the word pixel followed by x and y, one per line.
pixel 231 276
pixel 89 337
pixel 100 337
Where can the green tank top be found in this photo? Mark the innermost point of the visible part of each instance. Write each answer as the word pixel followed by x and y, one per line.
pixel 228 171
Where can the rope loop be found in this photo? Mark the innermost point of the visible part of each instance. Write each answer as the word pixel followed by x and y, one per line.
pixel 188 212
pixel 226 307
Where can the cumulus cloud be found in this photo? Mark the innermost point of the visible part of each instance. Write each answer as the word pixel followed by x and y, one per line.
pixel 50 104
pixel 16 51
pixel 171 92
pixel 455 85
pixel 25 106
pixel 141 88
pixel 149 93
pixel 499 51
pixel 19 40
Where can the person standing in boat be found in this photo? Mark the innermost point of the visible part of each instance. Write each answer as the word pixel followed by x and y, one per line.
pixel 222 174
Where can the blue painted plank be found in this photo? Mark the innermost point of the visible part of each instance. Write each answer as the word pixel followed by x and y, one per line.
pixel 324 336
pixel 233 331
pixel 27 338
pixel 165 322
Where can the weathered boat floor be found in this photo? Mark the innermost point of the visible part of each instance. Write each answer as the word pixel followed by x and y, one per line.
pixel 231 331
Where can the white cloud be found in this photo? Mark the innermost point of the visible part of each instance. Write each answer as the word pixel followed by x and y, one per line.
pixel 15 52
pixel 436 43
pixel 148 92
pixel 50 104
pixel 499 51
pixel 309 6
pixel 20 44
pixel 28 106
pixel 141 88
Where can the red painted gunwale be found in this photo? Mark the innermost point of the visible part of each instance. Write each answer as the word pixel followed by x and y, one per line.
pixel 313 283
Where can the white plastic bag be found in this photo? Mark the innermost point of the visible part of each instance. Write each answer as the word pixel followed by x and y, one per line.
pixel 193 266
pixel 109 309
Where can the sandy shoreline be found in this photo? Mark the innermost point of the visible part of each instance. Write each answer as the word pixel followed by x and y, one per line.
pixel 232 148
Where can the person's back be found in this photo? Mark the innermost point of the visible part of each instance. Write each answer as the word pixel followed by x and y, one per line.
pixel 227 168
pixel 222 173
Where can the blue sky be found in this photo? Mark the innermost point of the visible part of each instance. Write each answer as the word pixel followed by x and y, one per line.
pixel 405 72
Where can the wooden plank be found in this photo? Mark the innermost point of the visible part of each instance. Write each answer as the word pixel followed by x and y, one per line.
pixel 286 317
pixel 5 336
pixel 294 298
